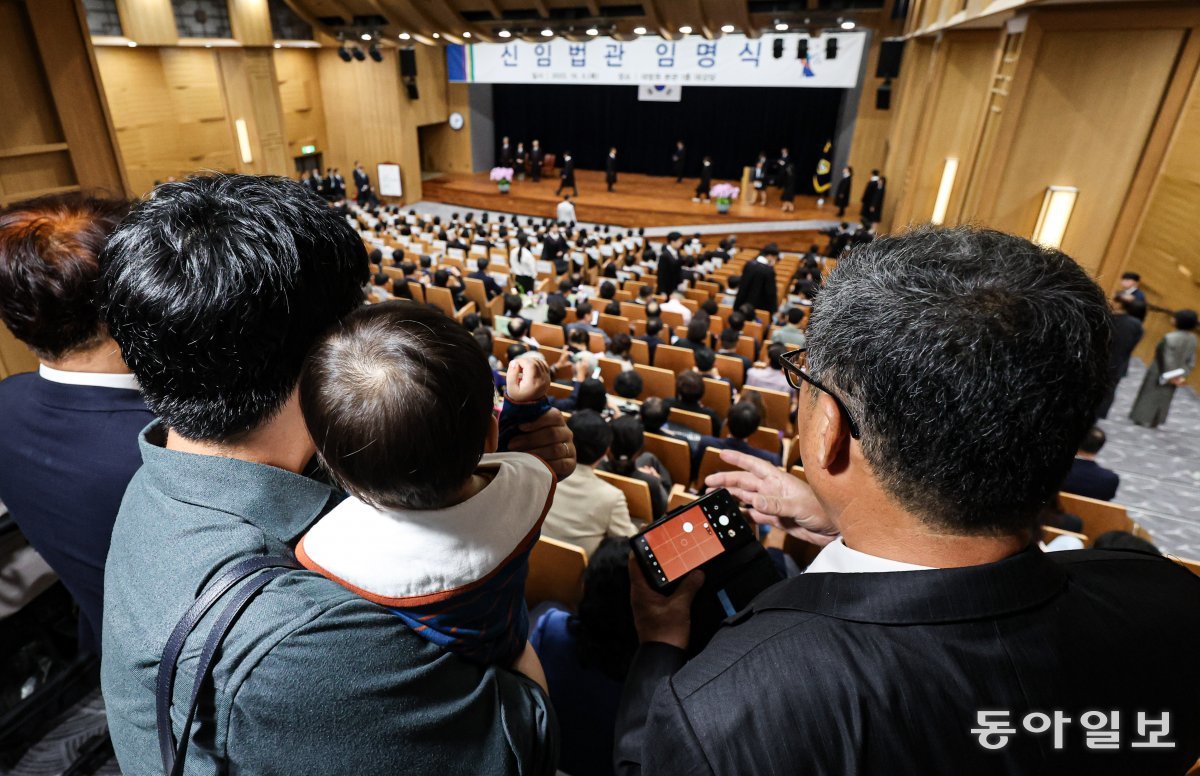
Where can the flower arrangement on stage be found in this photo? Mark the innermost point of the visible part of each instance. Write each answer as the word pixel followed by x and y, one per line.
pixel 724 194
pixel 503 177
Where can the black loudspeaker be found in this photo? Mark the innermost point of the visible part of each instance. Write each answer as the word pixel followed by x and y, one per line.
pixel 411 88
pixel 831 48
pixel 802 49
pixel 408 63
pixel 777 48
pixel 883 96
pixel 890 54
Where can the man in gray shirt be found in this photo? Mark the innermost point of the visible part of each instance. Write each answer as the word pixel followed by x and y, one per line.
pixel 215 289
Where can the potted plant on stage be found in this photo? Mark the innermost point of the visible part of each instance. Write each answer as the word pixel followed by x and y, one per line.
pixel 503 177
pixel 724 194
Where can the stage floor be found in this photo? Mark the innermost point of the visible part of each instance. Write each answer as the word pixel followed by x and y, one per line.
pixel 639 201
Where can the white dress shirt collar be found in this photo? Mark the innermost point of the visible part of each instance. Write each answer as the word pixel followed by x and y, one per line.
pixel 97 379
pixel 836 557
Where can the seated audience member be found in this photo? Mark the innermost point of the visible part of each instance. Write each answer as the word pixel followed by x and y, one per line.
pixel 743 419
pixel 672 304
pixel 645 294
pixel 583 314
pixel 490 286
pixel 689 390
pixel 586 656
pixel 1123 540
pixel 612 308
pixel 69 440
pixel 656 413
pixel 771 376
pixel 627 388
pixel 618 349
pixel 518 329
pixel 563 294
pixel 400 406
pixel 401 289
pixel 790 333
pixel 577 351
pixel 444 278
pixel 627 456
pixel 706 366
pixel 654 327
pixel 513 306
pixel 223 482
pixel 1088 478
pixel 586 509
pixel 556 314
pixel 727 346
pixel 932 506
pixel 697 334
pixel 379 287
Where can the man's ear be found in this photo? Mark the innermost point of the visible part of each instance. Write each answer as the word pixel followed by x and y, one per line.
pixel 492 442
pixel 833 433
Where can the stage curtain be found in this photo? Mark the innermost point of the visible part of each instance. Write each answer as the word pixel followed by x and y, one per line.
pixel 728 123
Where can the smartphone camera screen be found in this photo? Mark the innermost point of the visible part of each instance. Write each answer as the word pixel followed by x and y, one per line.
pixel 688 539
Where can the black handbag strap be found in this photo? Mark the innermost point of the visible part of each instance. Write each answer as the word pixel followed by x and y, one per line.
pixel 173 754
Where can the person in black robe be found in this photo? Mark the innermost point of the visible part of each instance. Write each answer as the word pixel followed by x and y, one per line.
pixel 841 196
pixel 519 159
pixel 610 168
pixel 1126 334
pixel 506 153
pixel 705 184
pixel 788 183
pixel 567 175
pixel 868 196
pixel 536 157
pixel 875 206
pixel 677 160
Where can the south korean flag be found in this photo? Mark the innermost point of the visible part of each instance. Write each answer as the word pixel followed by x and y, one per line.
pixel 659 93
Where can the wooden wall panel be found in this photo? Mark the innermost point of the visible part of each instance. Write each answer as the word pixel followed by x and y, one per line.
pixel 251 22
pixel 300 100
pixel 869 146
pixel 1091 100
pixel 910 100
pixel 168 111
pixel 252 94
pixel 14 356
pixel 430 107
pixel 31 118
pixel 149 22
pixel 368 118
pixel 444 149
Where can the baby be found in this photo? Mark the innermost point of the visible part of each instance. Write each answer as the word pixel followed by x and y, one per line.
pixel 439 525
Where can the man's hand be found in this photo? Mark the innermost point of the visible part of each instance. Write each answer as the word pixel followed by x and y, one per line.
pixel 663 618
pixel 528 379
pixel 549 439
pixel 775 499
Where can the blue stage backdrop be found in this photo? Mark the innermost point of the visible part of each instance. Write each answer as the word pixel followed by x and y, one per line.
pixel 731 124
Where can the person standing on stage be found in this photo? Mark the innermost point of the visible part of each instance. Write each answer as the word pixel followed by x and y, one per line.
pixel 841 196
pixel 875 206
pixel 868 196
pixel 362 186
pixel 519 160
pixel 610 168
pixel 677 160
pixel 705 180
pixel 536 157
pixel 788 185
pixel 780 167
pixel 758 178
pixel 506 153
pixel 567 175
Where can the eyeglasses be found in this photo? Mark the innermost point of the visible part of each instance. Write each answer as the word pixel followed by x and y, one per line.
pixel 794 369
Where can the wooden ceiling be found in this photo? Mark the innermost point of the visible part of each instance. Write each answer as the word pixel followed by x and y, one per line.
pixel 466 21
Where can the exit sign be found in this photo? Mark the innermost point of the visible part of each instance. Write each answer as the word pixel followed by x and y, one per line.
pixel 308 149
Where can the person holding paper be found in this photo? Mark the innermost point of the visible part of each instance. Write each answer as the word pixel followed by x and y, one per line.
pixel 1174 359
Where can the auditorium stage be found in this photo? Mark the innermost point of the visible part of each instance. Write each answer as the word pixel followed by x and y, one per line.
pixel 648 201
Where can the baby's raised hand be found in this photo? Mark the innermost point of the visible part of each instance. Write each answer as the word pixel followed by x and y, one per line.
pixel 528 378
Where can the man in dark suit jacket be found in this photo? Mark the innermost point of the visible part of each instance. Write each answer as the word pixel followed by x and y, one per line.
pixel 536 157
pixel 931 635
pixel 743 420
pixel 670 265
pixel 1127 316
pixel 757 286
pixel 868 197
pixel 567 176
pixel 364 194
pixel 689 390
pixel 677 161
pixel 705 184
pixel 841 196
pixel 610 167
pixel 490 286
pixel 654 327
pixel 506 153
pixel 70 431
pixel 554 249
pixel 1088 478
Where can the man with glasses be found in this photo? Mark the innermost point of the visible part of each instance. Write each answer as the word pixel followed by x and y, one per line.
pixel 948 379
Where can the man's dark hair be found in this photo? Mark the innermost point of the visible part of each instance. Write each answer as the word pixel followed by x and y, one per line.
pixel 775 353
pixel 628 438
pixel 697 329
pixel 673 236
pixel 583 312
pixel 592 436
pixel 744 419
pixel 512 305
pixel 482 263
pixel 518 327
pixel 1185 320
pixel 710 307
pixel 1012 341
pixel 1093 441
pixel 591 396
pixel 380 279
pixel 216 287
pixel 441 277
pixel 515 350
pixel 1135 277
pixel 628 384
pixel 705 358
pixel 398 399
pixel 607 290
pixel 426 262
pixel 646 291
pixel 470 321
pixel 408 268
pixel 653 326
pixel 655 412
pixel 1123 540
pixel 556 312
pixel 579 337
pixel 620 344
pixel 729 338
pixel 653 309
pixel 49 250
pixel 795 316
pixel 735 321
pixel 397 255
pixel 689 386
pixel 613 308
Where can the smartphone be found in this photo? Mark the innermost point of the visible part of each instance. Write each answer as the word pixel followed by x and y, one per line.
pixel 595 317
pixel 691 537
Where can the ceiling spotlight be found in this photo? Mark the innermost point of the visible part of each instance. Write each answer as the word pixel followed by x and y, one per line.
pixel 466 34
pixel 404 36
pixel 278 45
pixel 132 44
pixel 847 25
pixel 639 30
pixel 685 30
pixel 365 36
pixel 358 54
pixel 780 26
pixel 504 34
pixel 437 35
pixel 593 31
pixel 207 45
pixel 344 54
pixel 547 33
pixel 374 53
pixel 728 28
